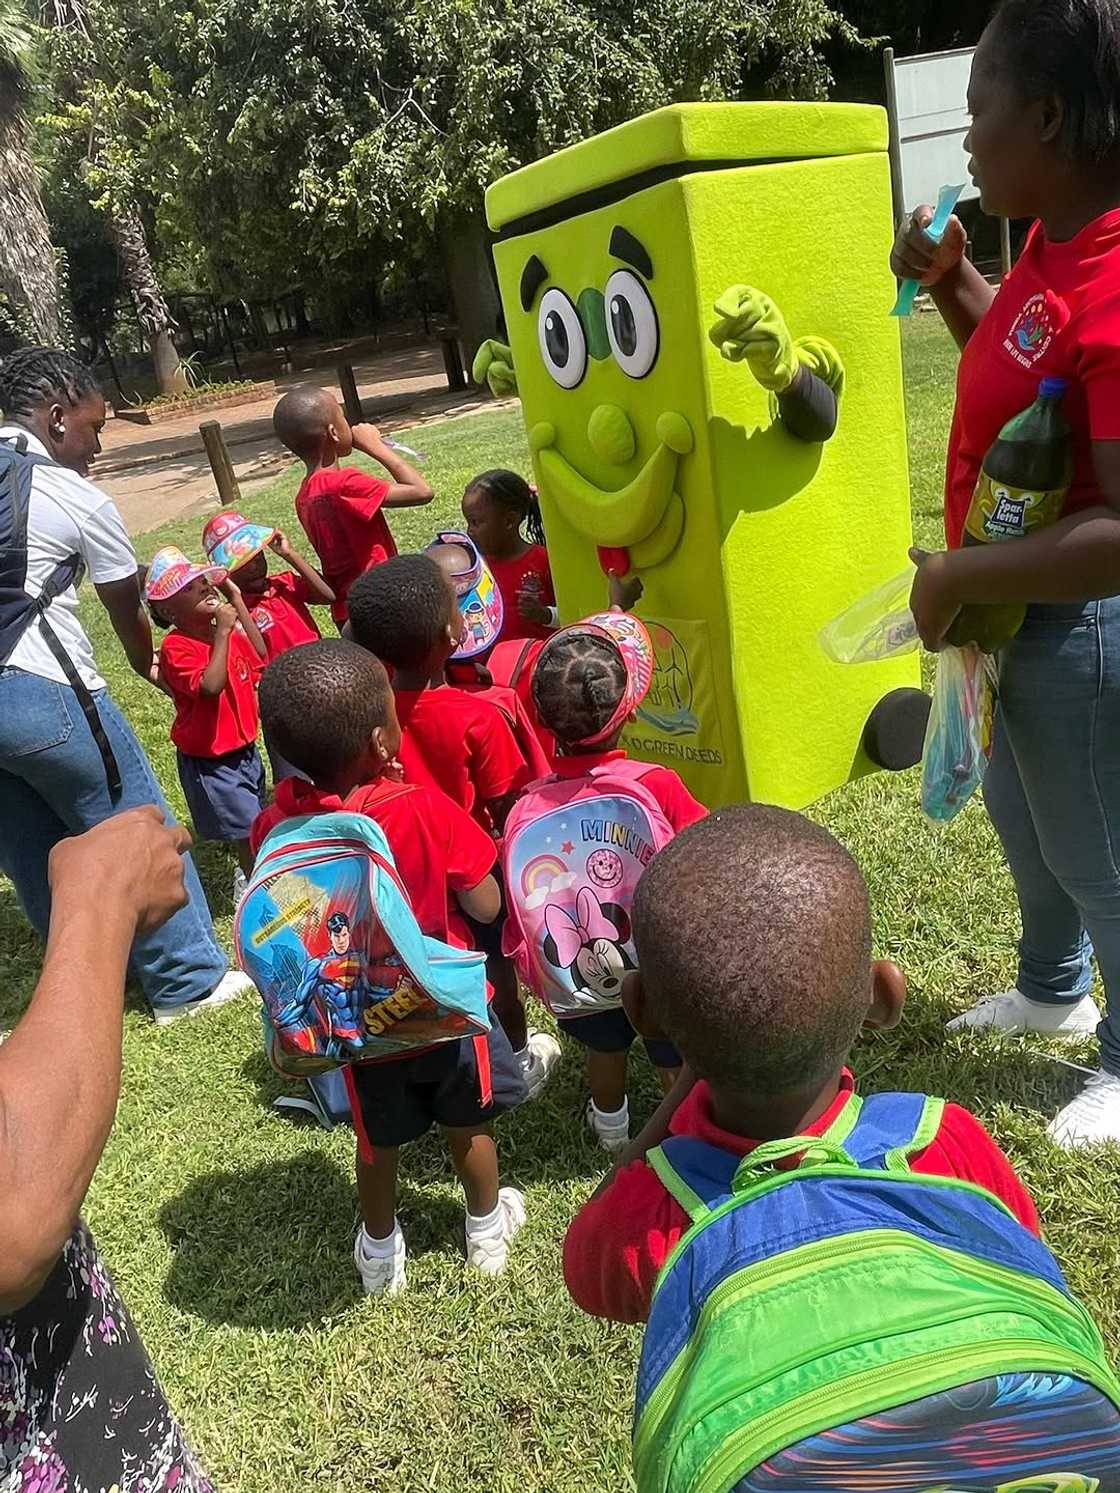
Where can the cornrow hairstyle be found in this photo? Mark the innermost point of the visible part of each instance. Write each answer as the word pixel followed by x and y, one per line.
pixel 33 377
pixel 577 683
pixel 1069 49
pixel 512 492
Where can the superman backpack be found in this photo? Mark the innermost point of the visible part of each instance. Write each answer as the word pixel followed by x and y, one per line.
pixel 326 933
pixel 850 1324
pixel 573 851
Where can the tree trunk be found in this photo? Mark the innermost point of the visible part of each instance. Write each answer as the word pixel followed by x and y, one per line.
pixel 152 311
pixel 466 258
pixel 27 263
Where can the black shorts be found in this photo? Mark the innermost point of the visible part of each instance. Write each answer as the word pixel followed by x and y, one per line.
pixel 610 1031
pixel 457 1085
pixel 488 936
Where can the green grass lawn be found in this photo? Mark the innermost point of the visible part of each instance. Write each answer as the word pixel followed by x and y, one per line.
pixel 230 1228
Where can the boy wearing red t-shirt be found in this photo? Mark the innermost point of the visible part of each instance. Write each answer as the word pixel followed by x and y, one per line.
pixel 340 507
pixel 209 663
pixel 407 614
pixel 753 932
pixel 330 710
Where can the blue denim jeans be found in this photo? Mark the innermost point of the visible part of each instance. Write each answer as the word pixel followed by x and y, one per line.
pixel 52 784
pixel 1053 794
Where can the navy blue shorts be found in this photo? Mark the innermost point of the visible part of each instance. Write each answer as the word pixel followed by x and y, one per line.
pixel 610 1031
pixel 457 1085
pixel 224 794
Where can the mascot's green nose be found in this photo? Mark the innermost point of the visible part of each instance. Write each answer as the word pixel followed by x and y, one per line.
pixel 611 435
pixel 593 315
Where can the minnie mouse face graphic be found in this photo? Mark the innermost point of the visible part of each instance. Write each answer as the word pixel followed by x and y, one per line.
pixel 589 943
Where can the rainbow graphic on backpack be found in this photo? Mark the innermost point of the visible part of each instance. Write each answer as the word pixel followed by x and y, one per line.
pixel 327 934
pixel 847 1325
pixel 573 852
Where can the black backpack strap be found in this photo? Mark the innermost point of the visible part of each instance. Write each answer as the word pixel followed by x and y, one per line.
pixel 66 574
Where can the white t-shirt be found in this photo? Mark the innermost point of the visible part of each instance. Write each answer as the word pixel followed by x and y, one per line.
pixel 66 516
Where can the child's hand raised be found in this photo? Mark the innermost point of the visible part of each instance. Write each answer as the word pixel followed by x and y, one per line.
pixel 624 594
pixel 529 603
pixel 279 543
pixel 225 620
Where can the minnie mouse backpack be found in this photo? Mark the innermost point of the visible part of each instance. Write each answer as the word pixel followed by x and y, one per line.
pixel 573 852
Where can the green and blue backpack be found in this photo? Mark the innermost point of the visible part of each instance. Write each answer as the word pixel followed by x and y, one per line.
pixel 849 1324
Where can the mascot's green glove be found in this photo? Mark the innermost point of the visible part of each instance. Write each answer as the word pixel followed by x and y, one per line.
pixel 821 358
pixel 750 328
pixel 493 364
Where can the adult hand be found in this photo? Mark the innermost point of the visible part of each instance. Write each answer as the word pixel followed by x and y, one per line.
pixel 749 328
pixel 133 858
pixel 493 365
pixel 916 257
pixel 931 597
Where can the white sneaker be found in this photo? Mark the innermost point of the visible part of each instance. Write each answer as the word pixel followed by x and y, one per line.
pixel 611 1131
pixel 1012 1011
pixel 382 1270
pixel 1092 1117
pixel 541 1054
pixel 240 884
pixel 488 1250
pixel 232 984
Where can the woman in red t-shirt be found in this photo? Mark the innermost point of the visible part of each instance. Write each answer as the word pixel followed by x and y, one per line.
pixel 1045 144
pixel 496 506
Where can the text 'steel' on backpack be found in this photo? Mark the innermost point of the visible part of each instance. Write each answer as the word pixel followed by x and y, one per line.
pixel 326 932
pixel 850 1324
pixel 573 851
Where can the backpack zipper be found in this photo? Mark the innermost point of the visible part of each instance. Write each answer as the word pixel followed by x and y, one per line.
pixel 807 1260
pixel 746 1448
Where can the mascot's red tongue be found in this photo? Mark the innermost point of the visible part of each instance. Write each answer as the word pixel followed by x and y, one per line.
pixel 614 561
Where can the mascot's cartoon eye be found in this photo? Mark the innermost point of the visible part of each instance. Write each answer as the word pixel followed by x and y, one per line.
pixel 563 344
pixel 631 324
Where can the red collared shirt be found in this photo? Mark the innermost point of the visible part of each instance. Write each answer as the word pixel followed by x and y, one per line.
pixel 211 725
pixel 619 1241
pixel 677 804
pixel 340 510
pixel 280 611
pixel 463 745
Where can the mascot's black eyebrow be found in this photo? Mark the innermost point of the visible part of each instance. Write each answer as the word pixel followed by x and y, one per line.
pixel 625 246
pixel 533 277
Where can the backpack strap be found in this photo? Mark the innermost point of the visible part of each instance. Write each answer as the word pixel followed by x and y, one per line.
pixel 522 660
pixel 67 573
pixel 894 1127
pixel 696 1175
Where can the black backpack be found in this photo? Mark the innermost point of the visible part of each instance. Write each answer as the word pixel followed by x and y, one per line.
pixel 18 610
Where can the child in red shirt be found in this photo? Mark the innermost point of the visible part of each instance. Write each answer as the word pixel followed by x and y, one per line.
pixel 407 614
pixel 340 507
pixel 753 933
pixel 277 602
pixel 330 709
pixel 209 663
pixel 496 505
pixel 587 684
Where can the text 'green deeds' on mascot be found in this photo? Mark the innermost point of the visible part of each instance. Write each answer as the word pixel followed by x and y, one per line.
pixel 697 310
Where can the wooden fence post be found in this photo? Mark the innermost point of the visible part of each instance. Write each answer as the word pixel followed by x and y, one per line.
pixel 229 491
pixel 350 401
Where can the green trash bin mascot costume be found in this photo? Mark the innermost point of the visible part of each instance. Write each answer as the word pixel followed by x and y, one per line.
pixel 697 310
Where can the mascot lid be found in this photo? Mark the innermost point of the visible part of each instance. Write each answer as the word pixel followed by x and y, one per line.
pixel 674 142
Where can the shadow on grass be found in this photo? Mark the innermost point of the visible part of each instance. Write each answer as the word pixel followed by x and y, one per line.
pixel 268 1247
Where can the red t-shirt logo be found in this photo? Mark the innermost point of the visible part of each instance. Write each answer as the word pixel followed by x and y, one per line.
pixel 1034 329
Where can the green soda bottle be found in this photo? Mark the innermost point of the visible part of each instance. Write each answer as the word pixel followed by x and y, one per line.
pixel 1022 487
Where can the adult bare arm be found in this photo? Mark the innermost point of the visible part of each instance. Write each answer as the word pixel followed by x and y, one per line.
pixel 1076 559
pixel 122 601
pixel 60 1068
pixel 959 290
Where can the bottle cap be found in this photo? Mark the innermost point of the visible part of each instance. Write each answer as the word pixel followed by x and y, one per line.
pixel 1053 388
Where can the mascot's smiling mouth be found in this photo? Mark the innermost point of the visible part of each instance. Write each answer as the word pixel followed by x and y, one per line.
pixel 640 523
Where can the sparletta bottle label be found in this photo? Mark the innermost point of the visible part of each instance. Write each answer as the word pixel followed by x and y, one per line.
pixel 999 511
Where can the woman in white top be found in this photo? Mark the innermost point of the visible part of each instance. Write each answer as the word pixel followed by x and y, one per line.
pixel 68 758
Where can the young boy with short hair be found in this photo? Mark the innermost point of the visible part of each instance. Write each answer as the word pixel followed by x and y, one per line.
pixel 406 612
pixel 341 508
pixel 329 708
pixel 753 934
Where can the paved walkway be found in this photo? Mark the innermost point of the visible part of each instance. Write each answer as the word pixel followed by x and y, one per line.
pixel 159 472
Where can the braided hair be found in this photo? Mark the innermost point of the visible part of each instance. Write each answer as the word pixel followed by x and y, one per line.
pixel 511 491
pixel 32 377
pixel 578 681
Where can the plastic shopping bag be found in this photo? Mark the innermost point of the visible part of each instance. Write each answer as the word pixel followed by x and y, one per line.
pixel 879 625
pixel 959 735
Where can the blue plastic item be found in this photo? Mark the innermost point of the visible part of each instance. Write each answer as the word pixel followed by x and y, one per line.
pixel 947 200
